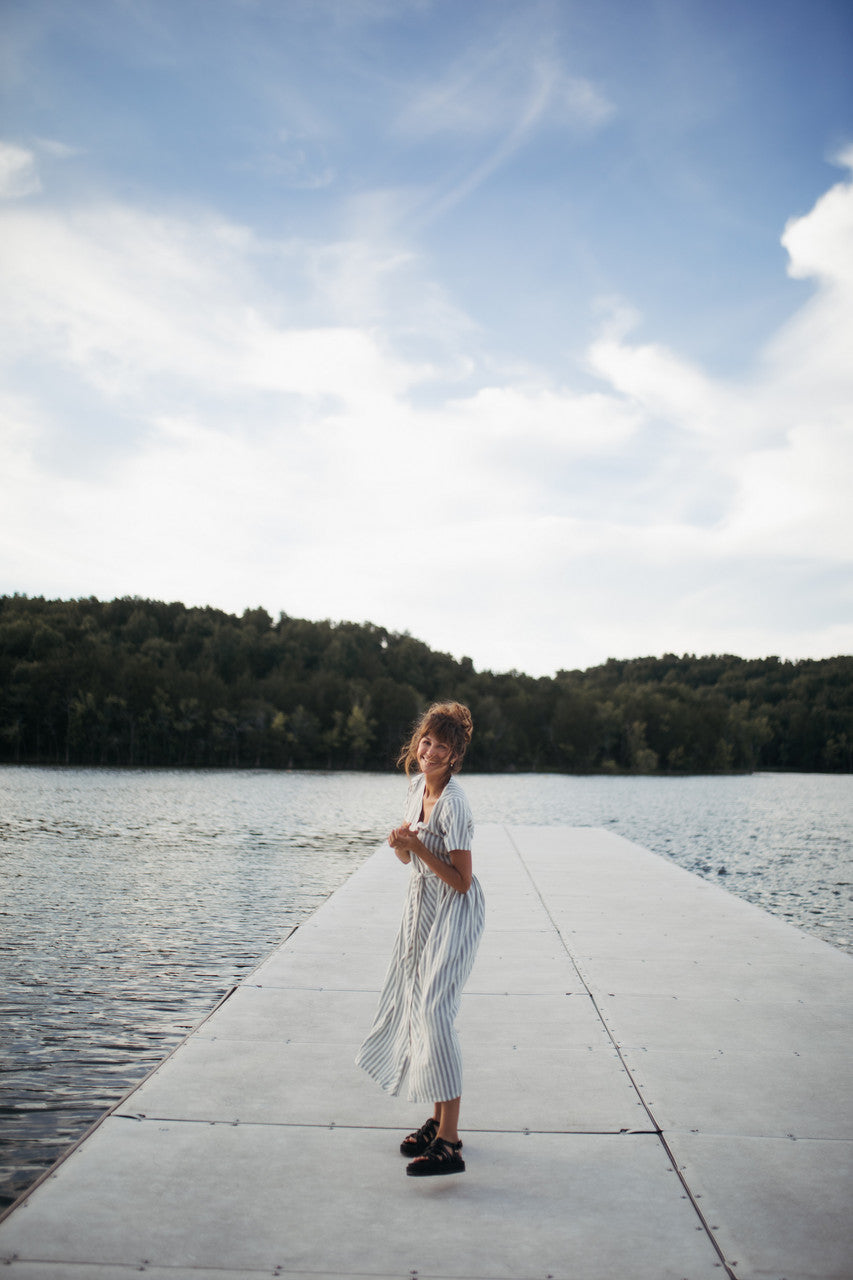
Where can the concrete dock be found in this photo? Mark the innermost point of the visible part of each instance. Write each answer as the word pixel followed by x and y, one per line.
pixel 657 1084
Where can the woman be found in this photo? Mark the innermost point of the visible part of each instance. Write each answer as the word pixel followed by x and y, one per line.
pixel 435 949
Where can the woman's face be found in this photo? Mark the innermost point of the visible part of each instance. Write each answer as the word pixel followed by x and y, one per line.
pixel 434 756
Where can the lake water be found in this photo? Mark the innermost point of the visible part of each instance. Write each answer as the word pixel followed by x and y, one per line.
pixel 133 900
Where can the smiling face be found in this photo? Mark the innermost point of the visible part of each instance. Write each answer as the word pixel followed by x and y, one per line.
pixel 438 741
pixel 434 756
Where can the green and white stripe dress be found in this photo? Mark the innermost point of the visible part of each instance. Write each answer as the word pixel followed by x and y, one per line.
pixel 433 956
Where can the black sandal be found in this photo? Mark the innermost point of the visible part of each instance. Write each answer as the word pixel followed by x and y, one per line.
pixel 417 1142
pixel 439 1158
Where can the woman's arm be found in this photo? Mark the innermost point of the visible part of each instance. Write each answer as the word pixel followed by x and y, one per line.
pixel 458 874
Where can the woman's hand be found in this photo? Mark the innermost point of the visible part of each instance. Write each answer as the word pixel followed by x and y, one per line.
pixel 403 838
pixel 404 842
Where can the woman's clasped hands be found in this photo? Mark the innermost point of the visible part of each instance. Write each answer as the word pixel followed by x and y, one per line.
pixel 404 839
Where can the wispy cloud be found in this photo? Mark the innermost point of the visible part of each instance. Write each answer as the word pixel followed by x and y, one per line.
pixel 57 150
pixel 18 172
pixel 508 84
pixel 500 94
pixel 296 160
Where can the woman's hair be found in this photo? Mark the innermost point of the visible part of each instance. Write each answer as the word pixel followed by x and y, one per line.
pixel 451 723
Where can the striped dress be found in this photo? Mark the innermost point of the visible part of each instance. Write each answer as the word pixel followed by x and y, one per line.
pixel 433 955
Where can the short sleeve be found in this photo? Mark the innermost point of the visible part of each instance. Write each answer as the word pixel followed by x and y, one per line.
pixel 456 822
pixel 412 808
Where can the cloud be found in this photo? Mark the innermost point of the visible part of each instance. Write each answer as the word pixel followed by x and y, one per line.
pixel 297 160
pixel 504 88
pixel 133 302
pixel 808 362
pixel 784 433
pixel 273 445
pixel 57 150
pixel 795 500
pixel 581 104
pixel 664 386
pixel 18 172
pixel 794 495
pixel 115 295
pixel 819 244
pixel 503 93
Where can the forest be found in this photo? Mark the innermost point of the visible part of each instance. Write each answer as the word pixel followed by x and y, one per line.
pixel 135 682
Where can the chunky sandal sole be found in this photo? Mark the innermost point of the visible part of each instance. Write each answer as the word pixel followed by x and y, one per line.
pixel 435 1172
pixel 439 1160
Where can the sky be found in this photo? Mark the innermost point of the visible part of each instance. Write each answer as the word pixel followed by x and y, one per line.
pixel 522 326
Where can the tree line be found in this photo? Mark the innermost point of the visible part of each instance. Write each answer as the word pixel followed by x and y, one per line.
pixel 143 682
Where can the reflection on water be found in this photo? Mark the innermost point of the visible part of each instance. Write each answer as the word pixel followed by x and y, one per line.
pixel 133 900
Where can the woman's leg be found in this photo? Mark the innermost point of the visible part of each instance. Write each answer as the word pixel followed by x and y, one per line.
pixel 447 1115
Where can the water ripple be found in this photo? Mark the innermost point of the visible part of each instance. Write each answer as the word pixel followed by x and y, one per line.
pixel 133 900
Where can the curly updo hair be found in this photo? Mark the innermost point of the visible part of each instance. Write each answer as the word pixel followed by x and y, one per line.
pixel 449 722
